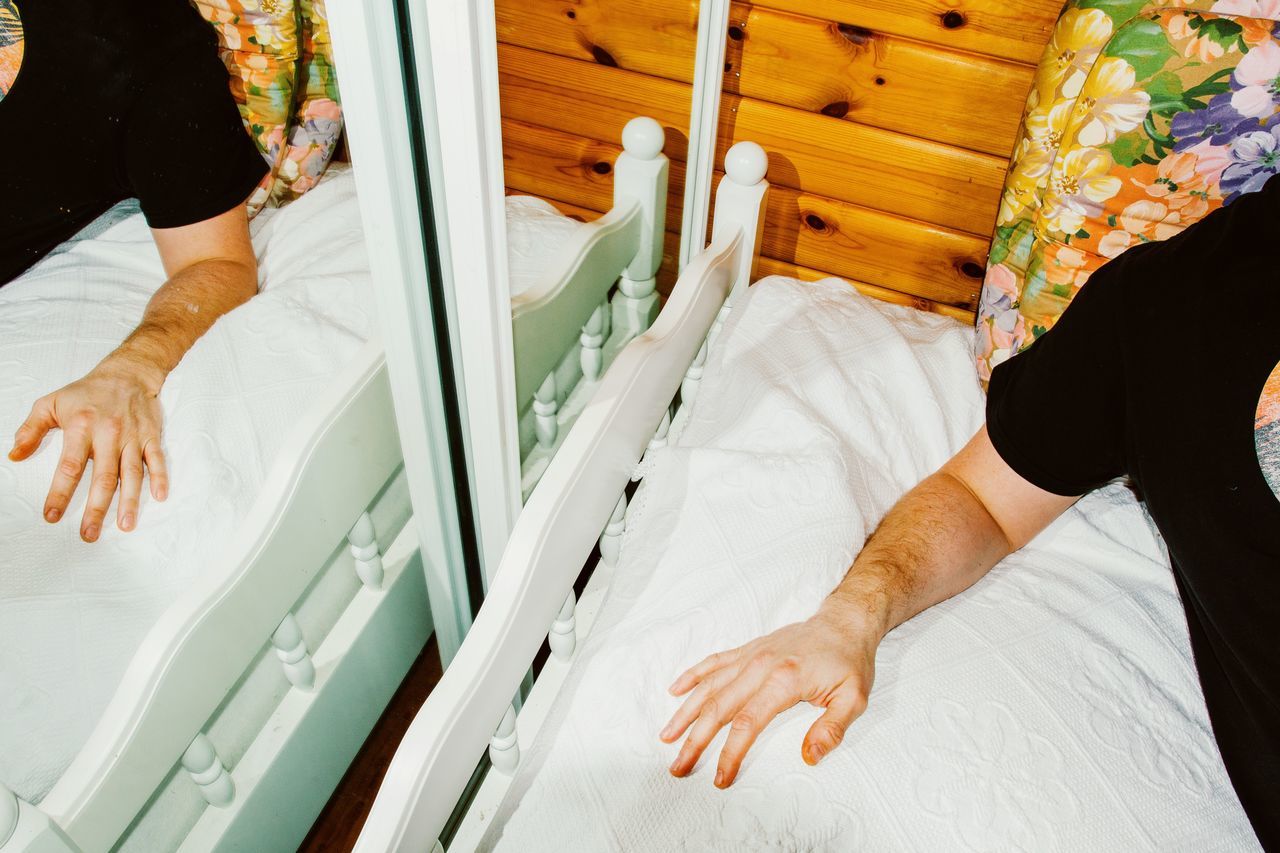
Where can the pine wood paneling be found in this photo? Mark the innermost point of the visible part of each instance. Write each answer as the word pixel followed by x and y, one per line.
pixel 588 99
pixel 867 166
pixel 888 122
pixel 875 79
pixel 1011 29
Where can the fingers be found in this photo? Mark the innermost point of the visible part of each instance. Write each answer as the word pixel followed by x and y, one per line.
pixel 102 488
pixel 825 735
pixel 130 486
pixel 692 706
pixel 719 708
pixel 71 465
pixel 694 674
pixel 157 471
pixel 747 724
pixel 33 430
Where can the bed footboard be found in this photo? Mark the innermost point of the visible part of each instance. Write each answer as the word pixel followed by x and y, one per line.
pixel 577 499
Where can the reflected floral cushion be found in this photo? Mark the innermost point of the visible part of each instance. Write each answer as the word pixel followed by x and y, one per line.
pixel 1144 117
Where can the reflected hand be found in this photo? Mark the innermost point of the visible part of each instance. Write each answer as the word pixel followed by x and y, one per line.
pixel 113 417
pixel 827 660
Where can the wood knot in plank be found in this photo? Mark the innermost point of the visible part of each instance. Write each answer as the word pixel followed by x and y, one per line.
pixel 815 222
pixel 953 19
pixel 601 167
pixel 603 56
pixel 854 34
pixel 972 269
pixel 736 33
pixel 836 109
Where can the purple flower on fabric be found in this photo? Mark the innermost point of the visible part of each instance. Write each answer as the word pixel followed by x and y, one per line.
pixel 1219 123
pixel 1255 159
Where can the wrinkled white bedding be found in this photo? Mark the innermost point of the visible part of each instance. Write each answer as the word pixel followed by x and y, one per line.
pixel 71 614
pixel 535 233
pixel 1054 706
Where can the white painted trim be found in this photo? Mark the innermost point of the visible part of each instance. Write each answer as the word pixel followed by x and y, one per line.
pixel 704 120
pixel 367 47
pixel 456 48
pixel 555 533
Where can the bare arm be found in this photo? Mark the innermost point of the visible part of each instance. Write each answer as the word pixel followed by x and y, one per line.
pixel 937 541
pixel 112 415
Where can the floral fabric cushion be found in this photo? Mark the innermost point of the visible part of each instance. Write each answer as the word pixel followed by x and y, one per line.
pixel 1144 117
pixel 259 40
pixel 317 117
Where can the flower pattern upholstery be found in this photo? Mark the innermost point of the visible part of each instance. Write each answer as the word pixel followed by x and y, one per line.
pixel 1144 117
pixel 281 65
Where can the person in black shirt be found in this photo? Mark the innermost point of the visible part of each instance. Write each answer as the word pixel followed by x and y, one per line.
pixel 1164 369
pixel 101 101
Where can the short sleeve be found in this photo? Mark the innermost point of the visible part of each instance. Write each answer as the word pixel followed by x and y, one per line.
pixel 1056 412
pixel 187 156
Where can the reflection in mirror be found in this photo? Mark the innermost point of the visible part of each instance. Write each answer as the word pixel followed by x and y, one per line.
pixel 209 583
pixel 595 99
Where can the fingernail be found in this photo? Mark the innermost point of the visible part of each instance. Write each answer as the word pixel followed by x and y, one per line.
pixel 128 522
pixel 675 767
pixel 91 533
pixel 815 753
pixel 719 779
pixel 665 733
pixel 52 514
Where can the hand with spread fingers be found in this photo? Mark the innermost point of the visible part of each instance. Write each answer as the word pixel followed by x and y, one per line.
pixel 824 661
pixel 938 540
pixel 112 416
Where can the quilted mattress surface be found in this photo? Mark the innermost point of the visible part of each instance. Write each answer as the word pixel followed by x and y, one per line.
pixel 71 614
pixel 1053 706
pixel 535 233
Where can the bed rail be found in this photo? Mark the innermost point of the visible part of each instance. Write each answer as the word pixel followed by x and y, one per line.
pixel 194 656
pixel 554 535
pixel 628 239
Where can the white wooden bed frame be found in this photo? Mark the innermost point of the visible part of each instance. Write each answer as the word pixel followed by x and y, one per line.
pixel 329 537
pixel 566 328
pixel 581 493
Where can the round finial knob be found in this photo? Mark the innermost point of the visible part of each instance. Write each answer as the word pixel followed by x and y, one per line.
pixel 746 163
pixel 643 138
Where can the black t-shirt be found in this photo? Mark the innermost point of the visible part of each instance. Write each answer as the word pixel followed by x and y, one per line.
pixel 115 101
pixel 1166 368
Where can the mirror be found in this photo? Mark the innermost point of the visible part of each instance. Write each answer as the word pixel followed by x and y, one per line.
pixel 572 76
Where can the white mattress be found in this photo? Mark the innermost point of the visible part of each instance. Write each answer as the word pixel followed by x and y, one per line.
pixel 535 233
pixel 1054 706
pixel 72 614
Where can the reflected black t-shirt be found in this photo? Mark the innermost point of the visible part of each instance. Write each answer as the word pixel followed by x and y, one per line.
pixel 114 100
pixel 1166 368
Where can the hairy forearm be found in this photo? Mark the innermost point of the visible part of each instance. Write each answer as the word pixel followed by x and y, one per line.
pixel 936 542
pixel 180 312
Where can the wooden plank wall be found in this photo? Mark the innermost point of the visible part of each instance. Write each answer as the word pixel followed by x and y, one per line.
pixel 888 122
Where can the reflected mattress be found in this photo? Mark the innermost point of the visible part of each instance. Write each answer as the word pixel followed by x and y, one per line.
pixel 71 614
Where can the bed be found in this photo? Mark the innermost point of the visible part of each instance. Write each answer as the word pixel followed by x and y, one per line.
pixel 1053 706
pixel 169 688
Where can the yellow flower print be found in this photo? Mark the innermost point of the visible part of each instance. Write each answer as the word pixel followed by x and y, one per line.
pixel 1080 183
pixel 1077 40
pixel 1044 130
pixel 1109 104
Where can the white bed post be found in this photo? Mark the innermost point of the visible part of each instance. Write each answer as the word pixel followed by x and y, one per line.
pixel 24 828
pixel 504 746
pixel 291 649
pixel 640 175
pixel 206 769
pixel 364 549
pixel 592 343
pixel 546 406
pixel 740 201
pixel 563 636
pixel 611 539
